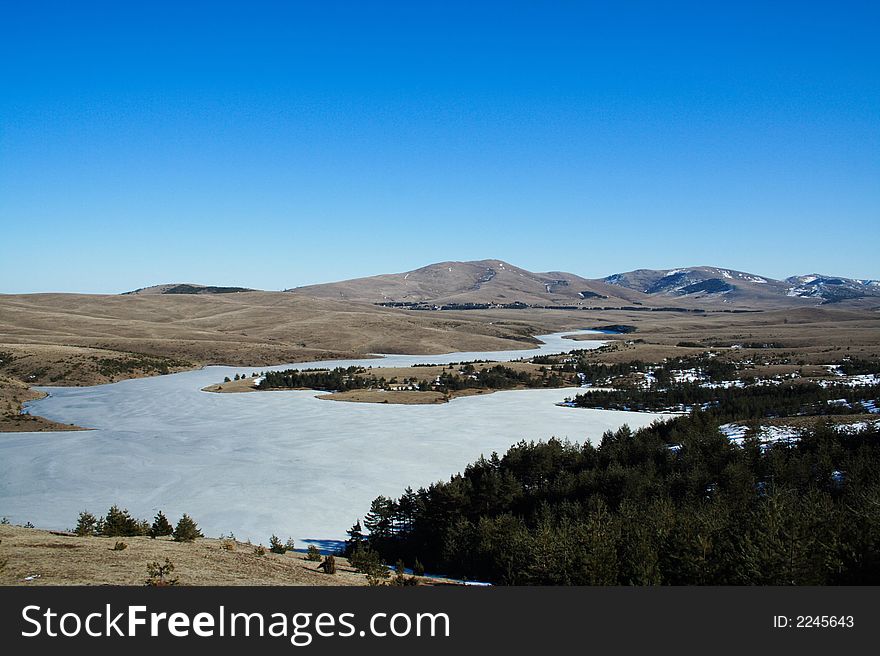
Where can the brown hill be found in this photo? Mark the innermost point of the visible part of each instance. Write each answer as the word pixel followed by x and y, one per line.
pixel 188 288
pixel 454 285
pixel 482 281
pixel 69 338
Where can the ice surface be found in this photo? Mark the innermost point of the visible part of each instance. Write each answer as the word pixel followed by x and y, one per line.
pixel 259 463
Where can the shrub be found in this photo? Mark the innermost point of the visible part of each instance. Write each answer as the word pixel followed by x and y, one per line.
pixel 161 526
pixel 227 545
pixel 260 550
pixel 313 553
pixel 120 546
pixel 186 530
pixel 86 524
pixel 400 578
pixel 367 561
pixel 328 564
pixel 418 568
pixel 159 575
pixel 275 545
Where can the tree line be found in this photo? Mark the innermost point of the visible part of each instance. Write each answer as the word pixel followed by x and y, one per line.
pixel 736 403
pixel 118 522
pixel 632 510
pixel 335 380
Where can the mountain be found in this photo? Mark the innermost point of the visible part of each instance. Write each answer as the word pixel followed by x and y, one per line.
pixel 710 284
pixel 188 288
pixel 479 282
pixel 459 285
pixel 482 283
pixel 831 289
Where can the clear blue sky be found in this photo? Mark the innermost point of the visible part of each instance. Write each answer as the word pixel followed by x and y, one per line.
pixel 277 144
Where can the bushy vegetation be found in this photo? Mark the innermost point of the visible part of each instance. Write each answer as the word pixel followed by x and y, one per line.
pixel 138 363
pixel 729 403
pixel 858 366
pixel 159 576
pixel 497 377
pixel 632 510
pixel 336 380
pixel 328 564
pixel 467 377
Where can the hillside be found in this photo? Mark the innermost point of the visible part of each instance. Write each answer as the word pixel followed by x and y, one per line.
pixel 249 329
pixel 482 281
pixel 188 288
pixel 831 289
pixel 38 557
pixel 462 285
pixel 711 285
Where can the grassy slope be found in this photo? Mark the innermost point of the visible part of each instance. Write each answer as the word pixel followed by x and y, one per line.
pixel 61 559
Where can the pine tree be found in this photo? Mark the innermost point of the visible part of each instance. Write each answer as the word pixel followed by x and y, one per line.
pixel 186 530
pixel 161 526
pixel 380 520
pixel 275 545
pixel 86 524
pixel 119 523
pixel 355 538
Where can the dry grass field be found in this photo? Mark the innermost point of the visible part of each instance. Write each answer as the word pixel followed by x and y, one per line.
pixel 12 394
pixel 37 557
pixel 247 328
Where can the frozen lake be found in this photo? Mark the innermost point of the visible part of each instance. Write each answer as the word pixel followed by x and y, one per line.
pixel 259 463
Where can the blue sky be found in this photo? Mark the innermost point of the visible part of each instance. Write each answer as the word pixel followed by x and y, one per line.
pixel 277 144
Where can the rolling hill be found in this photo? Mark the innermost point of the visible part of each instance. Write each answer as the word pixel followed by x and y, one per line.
pixel 457 285
pixel 187 288
pixel 477 282
pixel 727 285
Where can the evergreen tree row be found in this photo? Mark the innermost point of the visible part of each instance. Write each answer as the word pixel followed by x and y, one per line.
pixel 737 403
pixel 632 510
pixel 119 523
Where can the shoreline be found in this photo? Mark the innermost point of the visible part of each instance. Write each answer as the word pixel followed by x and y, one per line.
pixel 42 424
